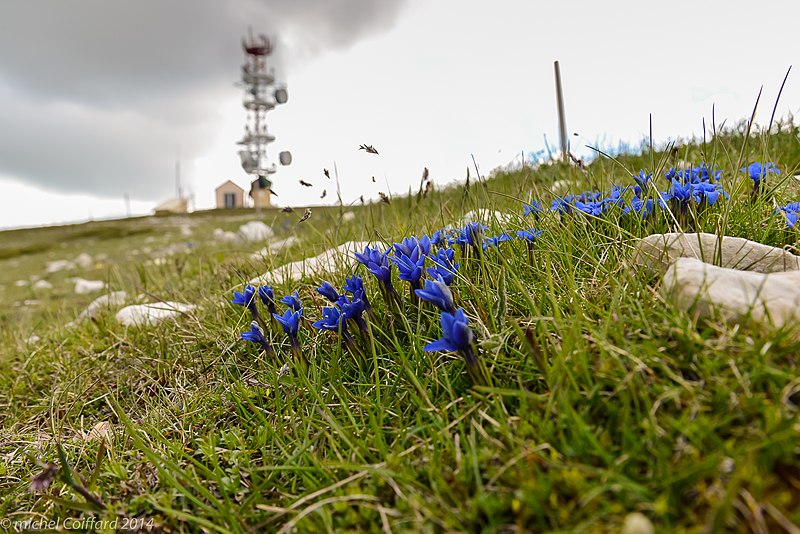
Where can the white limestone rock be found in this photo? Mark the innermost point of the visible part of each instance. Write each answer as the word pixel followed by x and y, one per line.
pixel 225 237
pixel 84 287
pixel 255 231
pixel 151 314
pixel 42 284
pixel 766 298
pixel 58 265
pixel 348 216
pixel 659 251
pixel 84 261
pixel 21 283
pixel 329 261
pixel 275 246
pixel 103 302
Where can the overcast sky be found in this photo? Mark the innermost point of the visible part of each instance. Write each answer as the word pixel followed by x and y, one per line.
pixel 99 97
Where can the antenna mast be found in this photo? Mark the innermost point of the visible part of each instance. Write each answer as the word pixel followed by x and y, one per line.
pixel 261 95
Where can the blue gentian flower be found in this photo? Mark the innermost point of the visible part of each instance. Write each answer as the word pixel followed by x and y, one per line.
pixel 293 301
pixel 529 235
pixel 535 208
pixel 681 192
pixel 290 321
pixel 643 179
pixel 355 285
pixel 563 205
pixel 440 237
pixel 456 331
pixel 791 213
pixel 614 198
pixel 437 293
pixel 331 319
pixel 706 191
pixel 457 337
pixel 351 309
pixel 410 267
pixel 759 171
pixel 443 265
pixel 256 335
pixel 268 298
pixel 328 291
pixel 494 241
pixel 335 321
pixel 473 234
pixel 594 209
pixel 247 299
pixel 406 246
pixel 354 309
pixel 642 207
pixel 377 263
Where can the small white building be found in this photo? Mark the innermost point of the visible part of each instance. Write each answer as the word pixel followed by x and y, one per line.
pixel 229 195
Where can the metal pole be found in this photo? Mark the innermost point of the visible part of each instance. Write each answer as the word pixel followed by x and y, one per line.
pixel 562 126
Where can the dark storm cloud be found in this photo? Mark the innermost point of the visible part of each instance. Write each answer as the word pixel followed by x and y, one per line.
pixel 99 93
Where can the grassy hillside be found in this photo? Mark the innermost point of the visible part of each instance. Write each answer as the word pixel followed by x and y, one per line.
pixel 602 400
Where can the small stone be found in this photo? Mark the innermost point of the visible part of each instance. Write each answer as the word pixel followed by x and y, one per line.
pixel 255 231
pixel 84 287
pixel 42 284
pixel 767 298
pixel 151 314
pixel 658 251
pixel 637 523
pixel 103 302
pixel 84 261
pixel 58 265
pixel 226 237
pixel 275 246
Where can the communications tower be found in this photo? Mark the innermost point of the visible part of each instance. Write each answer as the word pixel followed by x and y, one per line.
pixel 261 94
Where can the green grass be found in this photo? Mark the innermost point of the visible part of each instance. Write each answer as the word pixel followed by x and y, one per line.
pixel 605 399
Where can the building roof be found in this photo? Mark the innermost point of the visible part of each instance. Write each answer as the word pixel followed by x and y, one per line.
pixel 226 182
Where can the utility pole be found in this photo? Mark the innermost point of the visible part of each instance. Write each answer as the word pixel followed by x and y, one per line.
pixel 562 121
